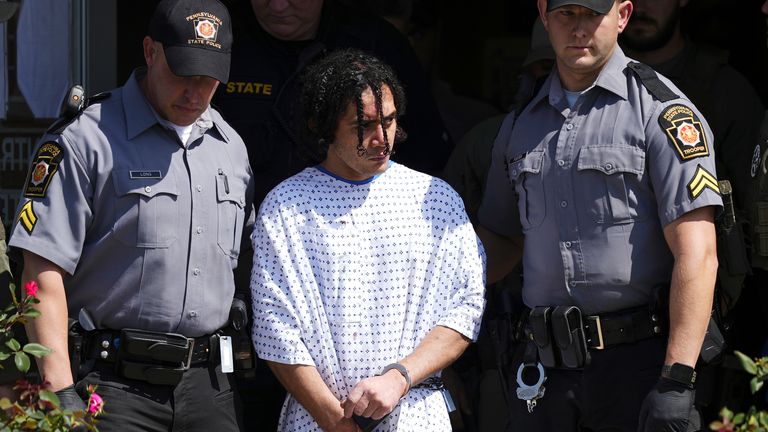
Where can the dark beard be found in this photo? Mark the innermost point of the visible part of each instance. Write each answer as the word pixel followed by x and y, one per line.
pixel 652 42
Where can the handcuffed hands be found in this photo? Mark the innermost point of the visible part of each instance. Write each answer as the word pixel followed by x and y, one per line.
pixel 668 408
pixel 375 397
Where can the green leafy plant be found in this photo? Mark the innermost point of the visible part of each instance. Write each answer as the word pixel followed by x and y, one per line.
pixel 753 420
pixel 18 312
pixel 36 407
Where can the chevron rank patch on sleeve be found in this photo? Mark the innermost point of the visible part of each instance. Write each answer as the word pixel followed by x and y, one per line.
pixel 44 166
pixel 27 217
pixel 685 131
pixel 702 180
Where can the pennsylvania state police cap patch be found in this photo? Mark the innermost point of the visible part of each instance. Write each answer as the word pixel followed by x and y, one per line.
pixel 685 131
pixel 44 166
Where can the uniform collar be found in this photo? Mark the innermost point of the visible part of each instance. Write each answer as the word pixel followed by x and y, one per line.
pixel 140 116
pixel 611 78
pixel 218 122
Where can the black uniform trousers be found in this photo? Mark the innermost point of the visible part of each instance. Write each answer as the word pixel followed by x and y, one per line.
pixel 603 397
pixel 204 400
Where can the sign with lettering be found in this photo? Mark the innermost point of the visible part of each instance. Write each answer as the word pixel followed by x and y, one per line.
pixel 17 148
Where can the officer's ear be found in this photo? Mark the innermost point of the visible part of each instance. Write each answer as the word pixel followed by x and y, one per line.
pixel 150 51
pixel 625 11
pixel 542 7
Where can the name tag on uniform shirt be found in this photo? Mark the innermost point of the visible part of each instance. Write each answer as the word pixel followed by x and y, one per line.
pixel 143 174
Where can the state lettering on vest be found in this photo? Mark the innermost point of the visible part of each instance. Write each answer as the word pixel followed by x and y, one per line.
pixel 247 87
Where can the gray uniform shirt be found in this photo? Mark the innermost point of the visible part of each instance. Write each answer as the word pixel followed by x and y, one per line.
pixel 592 187
pixel 148 228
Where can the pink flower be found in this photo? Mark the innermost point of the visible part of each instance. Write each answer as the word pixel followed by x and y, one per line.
pixel 95 404
pixel 722 426
pixel 31 288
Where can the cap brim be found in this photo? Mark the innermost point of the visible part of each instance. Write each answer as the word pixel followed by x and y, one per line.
pixel 190 61
pixel 7 10
pixel 599 6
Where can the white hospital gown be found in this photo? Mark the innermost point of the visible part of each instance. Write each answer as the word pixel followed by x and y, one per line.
pixel 349 277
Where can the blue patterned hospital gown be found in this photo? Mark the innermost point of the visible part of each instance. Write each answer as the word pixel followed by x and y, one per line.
pixel 350 276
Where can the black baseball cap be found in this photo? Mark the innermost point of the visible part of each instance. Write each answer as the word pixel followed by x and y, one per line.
pixel 196 37
pixel 599 6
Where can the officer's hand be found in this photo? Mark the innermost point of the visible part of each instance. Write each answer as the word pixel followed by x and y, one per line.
pixel 667 408
pixel 70 400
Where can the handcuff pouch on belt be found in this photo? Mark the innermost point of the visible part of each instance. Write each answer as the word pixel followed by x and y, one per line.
pixel 158 358
pixel 558 333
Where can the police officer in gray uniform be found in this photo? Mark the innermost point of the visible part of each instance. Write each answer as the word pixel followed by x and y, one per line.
pixel 609 178
pixel 131 221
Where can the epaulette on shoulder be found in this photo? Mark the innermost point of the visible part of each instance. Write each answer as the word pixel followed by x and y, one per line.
pixel 74 104
pixel 651 81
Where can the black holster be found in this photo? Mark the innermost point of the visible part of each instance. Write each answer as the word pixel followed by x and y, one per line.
pixel 239 330
pixel 158 358
pixel 76 346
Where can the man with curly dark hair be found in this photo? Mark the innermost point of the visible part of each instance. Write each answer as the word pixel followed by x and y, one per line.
pixel 368 277
pixel 273 44
pixel 324 100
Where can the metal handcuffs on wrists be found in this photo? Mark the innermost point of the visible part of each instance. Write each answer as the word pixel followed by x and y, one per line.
pixel 403 371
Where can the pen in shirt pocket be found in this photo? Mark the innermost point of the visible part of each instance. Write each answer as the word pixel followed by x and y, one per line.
pixel 226 180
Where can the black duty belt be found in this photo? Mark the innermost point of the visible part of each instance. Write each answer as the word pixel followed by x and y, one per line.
pixel 563 336
pixel 622 327
pixel 158 358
